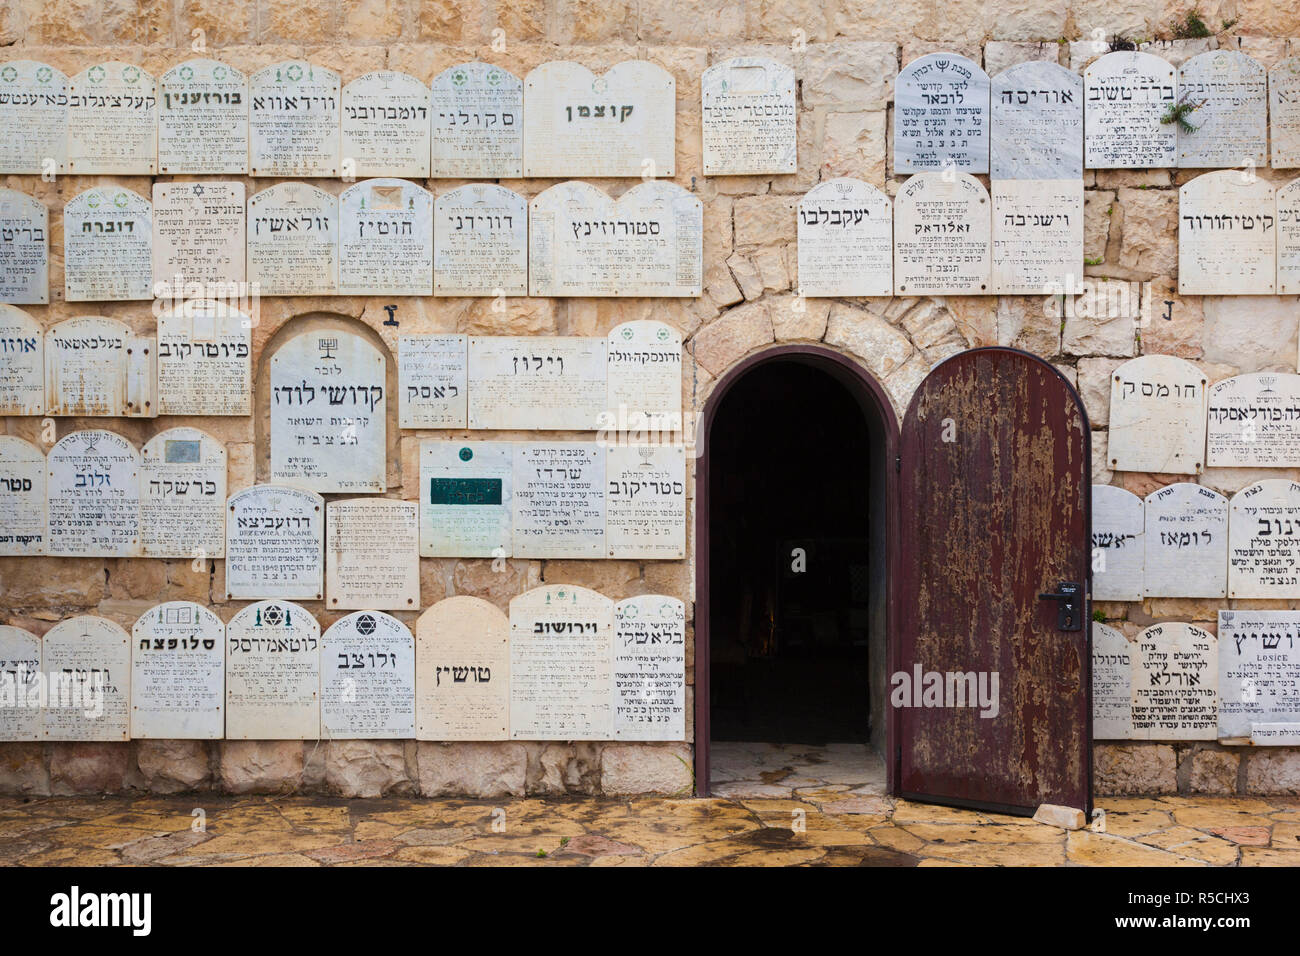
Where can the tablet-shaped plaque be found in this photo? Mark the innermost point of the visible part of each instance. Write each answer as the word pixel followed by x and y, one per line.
pixel 178 673
pixel 1037 124
pixel 650 668
pixel 112 121
pixel 20 685
pixel 22 497
pixel 94 496
pixel 273 673
pixel 107 246
pixel 648 242
pixel 433 381
pixel 198 235
pixel 1264 540
pixel 559 500
pixel 540 383
pixel 941 236
pixel 749 121
pixel 372 554
pixel 1157 416
pixel 941 115
pixel 465 504
pixel 1231 122
pixel 203 119
pixel 22 363
pixel 1227 235
pixel 87 663
pixel 385 127
pixel 293 121
pixel 480 242
pixel 1186 542
pixel 275 542
pixel 1259 672
pixel 367 679
pixel 293 240
pixel 1117 544
pixel 478 123
pixel 386 239
pixel 645 502
pixel 1037 235
pixel 1112 684
pixel 1175 683
pixel 1284 113
pixel 24 249
pixel 620 124
pixel 561 681
pixel 1288 234
pixel 846 240
pixel 1254 421
pixel 644 376
pixel 34 116
pixel 88 363
pixel 203 360
pixel 183 495
pixel 1126 97
pixel 462 671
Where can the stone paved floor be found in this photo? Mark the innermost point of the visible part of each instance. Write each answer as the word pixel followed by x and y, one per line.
pixel 839 827
pixel 776 770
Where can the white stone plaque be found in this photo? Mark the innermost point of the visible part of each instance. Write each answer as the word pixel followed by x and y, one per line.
pixel 1264 540
pixel 22 363
pixel 293 240
pixel 198 235
pixel 293 121
pixel 1112 684
pixel 480 242
pixel 88 364
pixel 541 383
pixel 462 671
pixel 183 496
pixel 1157 416
pixel 204 366
pixel 87 664
pixel 433 381
pixel 1254 421
pixel 942 233
pixel 559 500
pixel 372 554
pixel 1037 235
pixel 203 119
pixel 941 115
pixel 1288 233
pixel 1175 683
pixel 644 377
pixel 20 685
pixel 650 668
pixel 465 500
pixel 107 246
pixel 1231 120
pixel 1259 674
pixel 478 123
pixel 846 240
pixel 1118 546
pixel 112 121
pixel 94 496
pixel 275 540
pixel 367 679
pixel 34 116
pixel 22 497
pixel 385 126
pixel 386 239
pixel 645 504
pixel 1284 113
pixel 24 249
pixel 178 673
pixel 1126 95
pixel 273 673
pixel 1186 542
pixel 749 120
pixel 1037 123
pixel 1227 235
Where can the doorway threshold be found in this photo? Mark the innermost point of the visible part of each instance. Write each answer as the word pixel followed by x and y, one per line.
pixel 748 769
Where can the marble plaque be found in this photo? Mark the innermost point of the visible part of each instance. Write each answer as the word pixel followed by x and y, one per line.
pixel 1186 542
pixel 649 668
pixel 112 121
pixel 386 239
pixel 87 367
pixel 1157 416
pixel 178 673
pixel 1037 123
pixel 645 504
pixel 107 246
pixel 559 500
pixel 1227 235
pixel 34 116
pixel 1037 235
pixel 203 119
pixel 94 496
pixel 465 499
pixel 183 495
pixel 1118 546
pixel 1264 540
pixel 477 118
pixel 462 671
pixel 846 240
pixel 20 685
pixel 749 120
pixel 536 383
pixel 24 249
pixel 87 662
pixel 941 115
pixel 1175 683
pixel 1112 684
pixel 942 233
pixel 273 673
pixel 22 497
pixel 1288 234
pixel 434 381
pixel 275 541
pixel 561 665
pixel 644 377
pixel 293 121
pixel 198 235
pixel 1254 421
pixel 385 126
pixel 204 366
pixel 1232 118
pixel 620 124
pixel 367 679
pixel 1126 95
pixel 329 413
pixel 480 242
pixel 22 363
pixel 372 554
pixel 1284 113
pixel 1259 672
pixel 293 240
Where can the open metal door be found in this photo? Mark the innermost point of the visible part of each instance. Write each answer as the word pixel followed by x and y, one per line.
pixel 994 579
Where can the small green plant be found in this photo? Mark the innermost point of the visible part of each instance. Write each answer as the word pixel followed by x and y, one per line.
pixel 1179 111
pixel 1093 260
pixel 1191 27
pixel 1229 24
pixel 1099 616
pixel 541 854
pixel 564 841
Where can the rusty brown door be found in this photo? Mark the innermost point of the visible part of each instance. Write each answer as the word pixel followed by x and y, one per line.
pixel 994 497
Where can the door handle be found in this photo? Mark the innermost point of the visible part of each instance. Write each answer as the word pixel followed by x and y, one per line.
pixel 1069 613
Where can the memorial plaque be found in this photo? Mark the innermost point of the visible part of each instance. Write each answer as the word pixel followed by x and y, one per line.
pixel 198 234
pixel 1254 421
pixel 1157 416
pixel 462 671
pixel 183 495
pixel 478 123
pixel 1186 542
pixel 1226 235
pixel 22 363
pixel 645 507
pixel 846 240
pixel 20 685
pixel 24 249
pixel 650 668
pixel 293 122
pixel 559 500
pixel 1175 683
pixel 273 673
pixel 107 246
pixel 1118 546
pixel 541 383
pixel 1259 673
pixel 1284 113
pixel 620 124
pixel 203 360
pixel 34 116
pixel 293 240
pixel 386 239
pixel 1112 684
pixel 87 662
pixel 465 501
pixel 112 121
pixel 1037 235
pixel 87 367
pixel 942 232
pixel 372 554
pixel 275 540
pixel 329 413
pixel 367 679
pixel 178 673
pixel 22 497
pixel 94 496
pixel 749 120
pixel 386 124
pixel 1288 235
pixel 433 380
pixel 1126 97
pixel 1232 118
pixel 644 376
pixel 203 119
pixel 941 115
pixel 480 242
pixel 1264 540
pixel 1037 123
pixel 561 665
